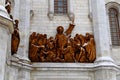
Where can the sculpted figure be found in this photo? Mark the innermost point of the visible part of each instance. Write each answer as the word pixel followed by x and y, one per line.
pixel 88 36
pixel 36 47
pixel 51 53
pixel 42 56
pixel 33 53
pixel 91 51
pixel 71 41
pixel 15 38
pixel 32 38
pixel 76 40
pixel 33 48
pixel 82 39
pixel 39 39
pixel 76 47
pixel 41 53
pixel 69 54
pixel 44 39
pixel 61 41
pixel 50 43
pixel 82 56
pixel 8 8
pixel 69 30
pixel 90 47
pixel 50 56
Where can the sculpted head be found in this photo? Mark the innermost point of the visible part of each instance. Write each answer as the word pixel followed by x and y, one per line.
pixel 45 35
pixel 87 34
pixel 51 39
pixel 16 23
pixel 60 29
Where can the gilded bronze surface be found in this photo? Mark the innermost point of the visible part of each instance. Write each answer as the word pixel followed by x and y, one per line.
pixel 15 40
pixel 62 48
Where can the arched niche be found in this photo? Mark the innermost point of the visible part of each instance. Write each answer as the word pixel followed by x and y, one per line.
pixel 115 6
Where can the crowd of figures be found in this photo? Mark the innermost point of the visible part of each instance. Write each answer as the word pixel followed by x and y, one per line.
pixel 62 48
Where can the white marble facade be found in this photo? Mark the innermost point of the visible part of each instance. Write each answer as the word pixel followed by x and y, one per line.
pixel 38 16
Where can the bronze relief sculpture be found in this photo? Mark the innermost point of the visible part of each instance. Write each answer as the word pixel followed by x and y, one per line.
pixel 8 8
pixel 60 41
pixel 62 48
pixel 15 40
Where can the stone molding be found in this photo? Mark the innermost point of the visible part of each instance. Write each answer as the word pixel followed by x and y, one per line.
pixel 21 65
pixel 51 10
pixel 64 66
pixel 74 66
pixel 113 5
pixel 18 63
pixel 3 12
pixel 6 23
pixel 90 10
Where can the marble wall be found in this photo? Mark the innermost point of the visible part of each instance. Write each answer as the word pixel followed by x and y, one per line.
pixel 33 17
pixel 114 49
pixel 62 71
pixel 41 23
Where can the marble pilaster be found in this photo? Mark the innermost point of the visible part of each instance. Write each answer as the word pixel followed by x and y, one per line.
pixel 24 30
pixel 51 9
pixel 6 28
pixel 105 69
pixel 101 32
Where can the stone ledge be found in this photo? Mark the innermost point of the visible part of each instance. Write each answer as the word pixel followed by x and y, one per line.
pixel 63 66
pixel 20 65
pixel 3 12
pixel 15 61
pixel 6 23
pixel 74 66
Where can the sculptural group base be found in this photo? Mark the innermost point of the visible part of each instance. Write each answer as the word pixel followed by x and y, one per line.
pixel 71 71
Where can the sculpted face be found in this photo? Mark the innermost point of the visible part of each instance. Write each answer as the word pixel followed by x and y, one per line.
pixel 16 21
pixel 60 30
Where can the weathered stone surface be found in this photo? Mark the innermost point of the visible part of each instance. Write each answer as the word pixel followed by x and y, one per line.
pixel 6 27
